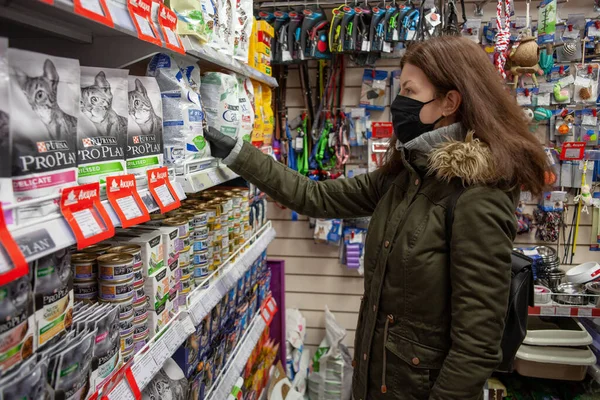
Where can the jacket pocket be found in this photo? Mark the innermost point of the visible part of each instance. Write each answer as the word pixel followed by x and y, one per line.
pixel 415 354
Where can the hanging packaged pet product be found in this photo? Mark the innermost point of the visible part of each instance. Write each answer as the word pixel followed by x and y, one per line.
pixel 372 94
pixel 102 127
pixel 221 102
pixel 328 231
pixel 183 117
pixel 144 132
pixel 44 93
pixel 5 142
pixel 586 83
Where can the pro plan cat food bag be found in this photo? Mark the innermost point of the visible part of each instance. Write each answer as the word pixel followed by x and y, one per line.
pixel 107 345
pixel 183 118
pixel 144 132
pixel 44 106
pixel 5 146
pixel 73 367
pixel 53 293
pixel 17 323
pixel 102 125
pixel 221 102
pixel 28 385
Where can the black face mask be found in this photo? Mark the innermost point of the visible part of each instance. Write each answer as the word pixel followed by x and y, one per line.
pixel 405 118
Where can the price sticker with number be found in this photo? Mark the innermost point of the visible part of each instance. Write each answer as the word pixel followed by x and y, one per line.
pixel 167 20
pixel 140 12
pixel 85 214
pixel 96 10
pixel 10 252
pixel 123 196
pixel 572 151
pixel 161 189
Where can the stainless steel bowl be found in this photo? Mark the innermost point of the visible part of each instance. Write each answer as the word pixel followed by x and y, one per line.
pixel 593 288
pixel 548 254
pixel 553 278
pixel 570 294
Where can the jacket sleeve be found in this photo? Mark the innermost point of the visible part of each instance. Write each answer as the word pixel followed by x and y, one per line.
pixel 480 272
pixel 336 198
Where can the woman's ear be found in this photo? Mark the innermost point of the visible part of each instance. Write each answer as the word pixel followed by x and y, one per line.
pixel 452 101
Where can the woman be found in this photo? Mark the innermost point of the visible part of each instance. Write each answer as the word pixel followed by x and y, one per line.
pixel 432 315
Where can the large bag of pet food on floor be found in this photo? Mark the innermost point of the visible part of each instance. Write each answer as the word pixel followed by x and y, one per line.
pixel 102 125
pixel 44 99
pixel 221 103
pixel 144 130
pixel 5 145
pixel 246 109
pixel 183 117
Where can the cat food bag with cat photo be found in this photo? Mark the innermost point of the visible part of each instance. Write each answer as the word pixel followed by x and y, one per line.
pixel 102 124
pixel 246 109
pixel 221 102
pixel 17 323
pixel 44 107
pixel 144 132
pixel 30 385
pixel 6 195
pixel 107 345
pixel 183 117
pixel 73 367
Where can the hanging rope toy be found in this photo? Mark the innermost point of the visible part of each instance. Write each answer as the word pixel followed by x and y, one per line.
pixel 502 35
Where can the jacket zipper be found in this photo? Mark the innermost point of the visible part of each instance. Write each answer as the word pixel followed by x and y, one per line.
pixel 388 320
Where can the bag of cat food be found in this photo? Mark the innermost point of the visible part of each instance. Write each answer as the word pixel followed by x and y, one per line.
pixel 209 13
pixel 225 22
pixel 30 385
pixel 107 345
pixel 5 145
pixel 259 123
pixel 73 367
pixel 53 293
pixel 144 130
pixel 246 110
pixel 268 118
pixel 221 103
pixel 44 106
pixel 102 125
pixel 17 323
pixel 190 20
pixel 182 110
pixel 242 30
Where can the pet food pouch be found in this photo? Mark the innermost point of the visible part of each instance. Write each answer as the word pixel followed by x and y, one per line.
pixel 144 130
pixel 106 347
pixel 268 118
pixel 44 98
pixel 168 383
pixel 221 102
pixel 102 125
pixel 190 20
pixel 259 124
pixel 72 375
pixel 183 117
pixel 30 385
pixel 6 196
pixel 17 323
pixel 246 110
pixel 242 26
pixel 53 291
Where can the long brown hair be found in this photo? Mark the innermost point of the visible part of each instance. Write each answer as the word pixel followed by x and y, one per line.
pixel 457 63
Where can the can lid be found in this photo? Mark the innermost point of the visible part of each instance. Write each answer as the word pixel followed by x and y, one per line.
pixel 126 248
pixel 175 221
pixel 97 248
pixel 83 258
pixel 115 259
pixel 156 217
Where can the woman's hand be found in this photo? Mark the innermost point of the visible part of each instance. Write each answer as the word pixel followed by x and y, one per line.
pixel 220 145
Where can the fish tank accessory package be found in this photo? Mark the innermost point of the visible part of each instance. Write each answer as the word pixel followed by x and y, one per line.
pixel 221 102
pixel 44 105
pixel 183 115
pixel 145 130
pixel 372 94
pixel 102 125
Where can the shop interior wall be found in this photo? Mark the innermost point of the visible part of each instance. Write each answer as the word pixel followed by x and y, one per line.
pixel 314 277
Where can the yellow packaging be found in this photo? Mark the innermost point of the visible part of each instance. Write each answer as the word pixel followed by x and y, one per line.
pixel 258 132
pixel 268 117
pixel 265 34
pixel 252 54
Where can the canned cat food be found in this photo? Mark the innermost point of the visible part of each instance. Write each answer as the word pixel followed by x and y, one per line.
pixel 237 213
pixel 140 312
pixel 186 270
pixel 138 277
pixel 201 270
pixel 202 283
pixel 182 225
pixel 116 290
pixel 125 306
pixel 86 291
pixel 84 266
pixel 186 284
pixel 185 256
pixel 140 330
pixel 201 232
pixel 156 218
pixel 200 218
pixel 134 250
pixel 127 343
pixel 99 248
pixel 138 345
pixel 186 243
pixel 127 356
pixel 200 257
pixel 138 292
pixel 126 326
pixel 115 267
pixel 183 295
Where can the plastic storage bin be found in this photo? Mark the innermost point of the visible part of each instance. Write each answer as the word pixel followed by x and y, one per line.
pixel 553 331
pixel 563 363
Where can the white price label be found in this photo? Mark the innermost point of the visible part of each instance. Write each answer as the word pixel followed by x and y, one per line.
pixel 563 311
pixel 583 82
pixel 546 87
pixel 197 311
pixel 164 195
pixel 543 99
pixel 121 392
pixel 144 25
pixel 160 352
pixel 214 178
pixel 566 81
pixel 387 47
pixel 187 326
pixel 584 312
pixel 144 369
pixel 129 207
pixel 172 338
pixel 589 120
pixel 87 222
pixel 93 6
pixel 171 37
pixel 547 311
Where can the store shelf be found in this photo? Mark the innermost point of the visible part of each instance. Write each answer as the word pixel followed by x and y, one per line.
pixel 96 44
pixel 164 344
pixel 239 357
pixel 204 178
pixel 559 310
pixel 46 235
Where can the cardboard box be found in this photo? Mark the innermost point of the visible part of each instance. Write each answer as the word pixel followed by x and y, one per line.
pixel 157 288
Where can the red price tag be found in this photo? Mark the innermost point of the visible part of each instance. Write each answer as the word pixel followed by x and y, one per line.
pixel 167 20
pixel 11 249
pixel 85 214
pixel 95 10
pixel 268 310
pixel 382 130
pixel 123 196
pixel 161 189
pixel 572 151
pixel 120 386
pixel 140 12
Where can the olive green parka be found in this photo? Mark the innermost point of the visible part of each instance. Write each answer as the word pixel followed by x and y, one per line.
pixel 432 315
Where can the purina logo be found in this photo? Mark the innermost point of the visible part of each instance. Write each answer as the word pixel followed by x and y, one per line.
pixel 144 139
pixel 52 145
pixel 99 141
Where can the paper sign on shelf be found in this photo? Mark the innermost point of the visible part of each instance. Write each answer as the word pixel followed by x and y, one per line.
pixel 95 10
pixel 382 130
pixel 140 12
pixel 11 253
pixel 124 198
pixel 167 20
pixel 572 151
pixel 161 189
pixel 268 310
pixel 85 214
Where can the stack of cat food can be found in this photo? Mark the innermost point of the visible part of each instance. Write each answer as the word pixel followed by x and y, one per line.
pixel 85 273
pixel 245 228
pixel 183 224
pixel 202 251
